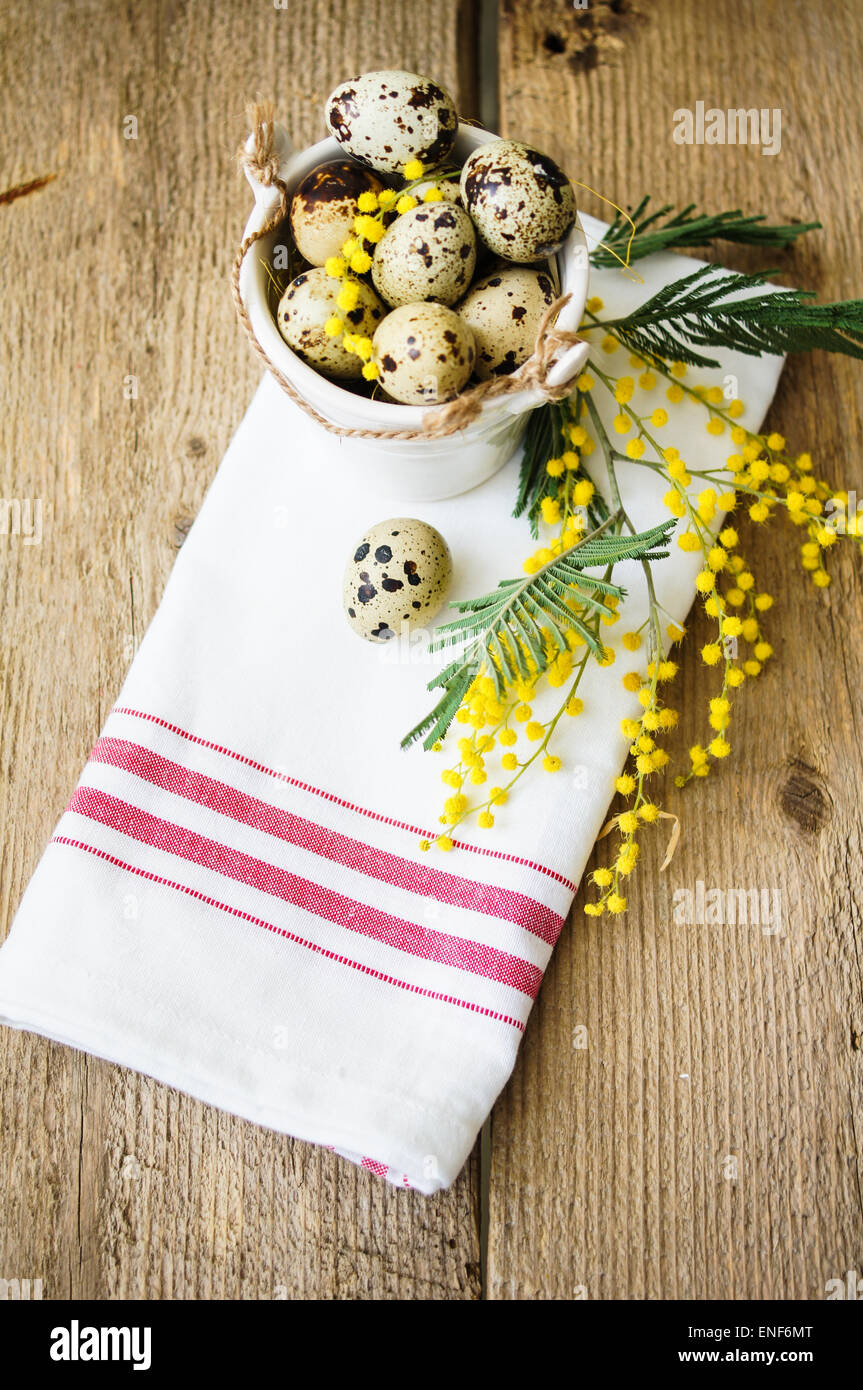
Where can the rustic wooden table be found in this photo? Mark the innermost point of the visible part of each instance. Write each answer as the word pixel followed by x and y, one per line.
pixel 706 1142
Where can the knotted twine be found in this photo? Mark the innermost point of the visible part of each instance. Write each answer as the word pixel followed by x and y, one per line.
pixel 263 164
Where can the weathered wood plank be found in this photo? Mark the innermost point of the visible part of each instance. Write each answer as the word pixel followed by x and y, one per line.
pixel 707 1044
pixel 114 1185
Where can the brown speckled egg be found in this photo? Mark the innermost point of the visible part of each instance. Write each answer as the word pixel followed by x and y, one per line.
pixel 504 311
pixel 428 253
pixel 396 578
pixel 521 203
pixel 384 119
pixel 324 206
pixel 425 353
pixel 303 310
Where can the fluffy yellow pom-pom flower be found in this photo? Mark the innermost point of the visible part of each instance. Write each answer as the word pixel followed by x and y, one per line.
pixel 369 228
pixel 348 296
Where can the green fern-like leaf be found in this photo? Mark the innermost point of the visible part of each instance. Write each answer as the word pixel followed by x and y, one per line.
pixel 705 309
pixel 684 229
pixel 511 631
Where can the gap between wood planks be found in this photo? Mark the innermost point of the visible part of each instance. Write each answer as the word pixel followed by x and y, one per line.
pixel 487 70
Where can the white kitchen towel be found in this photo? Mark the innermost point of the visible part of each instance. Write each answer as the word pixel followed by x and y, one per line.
pixel 235 901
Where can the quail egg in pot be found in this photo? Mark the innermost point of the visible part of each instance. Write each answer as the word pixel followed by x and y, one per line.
pixel 386 119
pixel 427 253
pixel 504 311
pixel 522 204
pixel 324 206
pixel 304 308
pixel 425 353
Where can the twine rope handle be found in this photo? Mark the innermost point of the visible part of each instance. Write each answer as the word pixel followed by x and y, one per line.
pixel 262 163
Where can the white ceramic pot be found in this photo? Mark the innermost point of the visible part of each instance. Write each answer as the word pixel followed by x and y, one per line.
pixel 415 470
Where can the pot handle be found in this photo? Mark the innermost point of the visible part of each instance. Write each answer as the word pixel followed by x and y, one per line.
pixel 266 196
pixel 566 368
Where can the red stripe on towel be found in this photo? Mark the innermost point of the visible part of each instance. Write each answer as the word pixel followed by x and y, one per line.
pixel 289 935
pixel 338 801
pixel 380 1169
pixel 460 953
pixel 422 879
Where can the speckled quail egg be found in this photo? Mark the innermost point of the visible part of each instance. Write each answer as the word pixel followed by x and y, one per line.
pixel 504 311
pixel 324 207
pixel 384 119
pixel 427 253
pixel 521 203
pixel 424 352
pixel 396 578
pixel 303 310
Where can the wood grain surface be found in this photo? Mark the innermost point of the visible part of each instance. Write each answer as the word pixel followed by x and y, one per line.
pixel 712 1049
pixel 609 1162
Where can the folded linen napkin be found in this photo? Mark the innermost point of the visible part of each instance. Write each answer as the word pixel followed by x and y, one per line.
pixel 235 901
